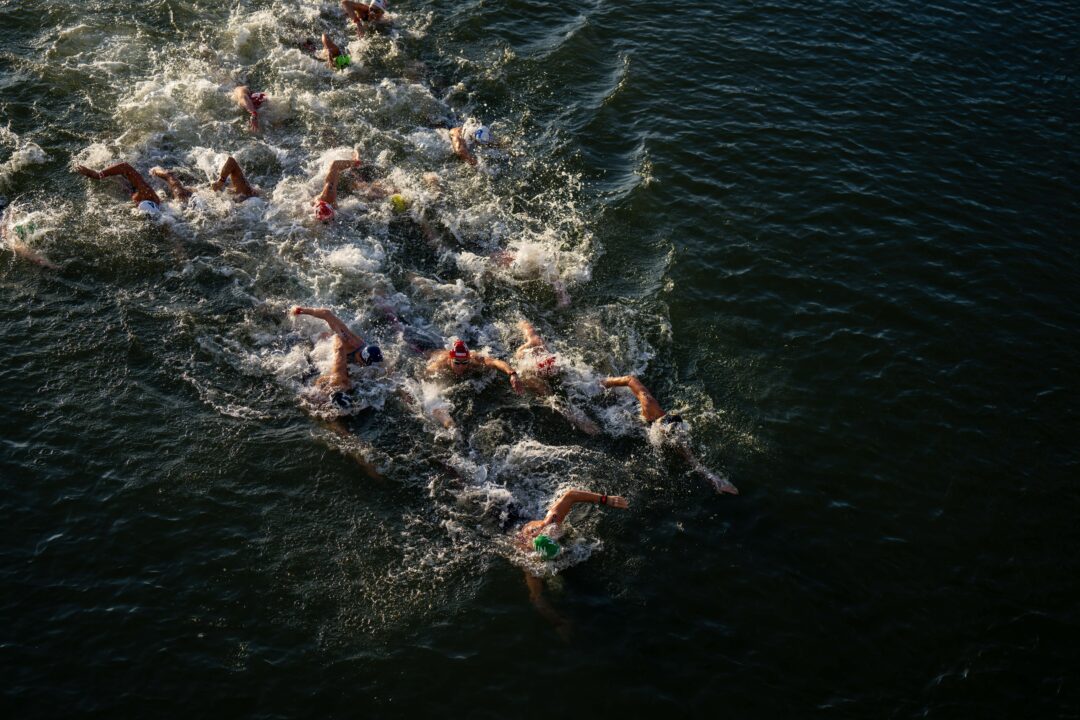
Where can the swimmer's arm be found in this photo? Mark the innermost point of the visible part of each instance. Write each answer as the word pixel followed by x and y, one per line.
pixel 650 408
pixel 461 148
pixel 504 367
pixel 561 508
pixel 329 191
pixel 337 325
pixel 357 13
pixel 437 362
pixel 242 96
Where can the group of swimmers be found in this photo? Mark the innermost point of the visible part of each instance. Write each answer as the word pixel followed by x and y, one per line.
pixel 533 367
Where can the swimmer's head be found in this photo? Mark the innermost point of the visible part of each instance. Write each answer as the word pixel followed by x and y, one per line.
pixel 482 135
pixel 671 429
pixel 371 354
pixel 399 203
pixel 342 61
pixel 257 99
pixel 324 211
pixel 548 548
pixel 149 207
pixel 546 367
pixel 377 7
pixel 459 356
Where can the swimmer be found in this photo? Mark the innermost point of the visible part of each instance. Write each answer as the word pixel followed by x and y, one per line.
pixel 459 361
pixel 357 351
pixel 347 347
pixel 362 12
pixel 539 367
pixel 14 234
pixel 336 385
pixel 671 425
pixel 540 360
pixel 464 139
pixel 326 203
pixel 143 196
pixel 335 59
pixel 250 103
pixel 230 172
pixel 541 535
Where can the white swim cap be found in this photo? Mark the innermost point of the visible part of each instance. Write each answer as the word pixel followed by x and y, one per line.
pixel 380 4
pixel 148 207
pixel 482 134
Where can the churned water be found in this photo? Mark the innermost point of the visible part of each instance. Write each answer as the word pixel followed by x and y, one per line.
pixel 839 238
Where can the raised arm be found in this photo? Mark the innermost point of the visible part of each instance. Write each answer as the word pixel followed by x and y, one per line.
pixel 141 189
pixel 650 408
pixel 332 52
pixel 336 324
pixel 242 96
pixel 178 190
pixel 333 174
pixel 504 367
pixel 461 148
pixel 240 186
pixel 561 507
pixel 358 13
pixel 532 339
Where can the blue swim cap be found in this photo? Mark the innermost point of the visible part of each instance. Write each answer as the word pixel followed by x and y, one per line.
pixel 371 354
pixel 482 134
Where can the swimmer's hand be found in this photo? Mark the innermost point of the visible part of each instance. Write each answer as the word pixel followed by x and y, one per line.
pixel 617 501
pixel 721 483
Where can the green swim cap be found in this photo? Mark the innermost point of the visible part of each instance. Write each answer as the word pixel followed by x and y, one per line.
pixel 399 203
pixel 342 61
pixel 23 229
pixel 546 547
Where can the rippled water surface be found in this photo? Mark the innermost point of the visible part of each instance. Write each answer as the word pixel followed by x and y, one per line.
pixel 840 238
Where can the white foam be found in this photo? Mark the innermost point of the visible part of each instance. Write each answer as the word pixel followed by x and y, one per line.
pixel 24 154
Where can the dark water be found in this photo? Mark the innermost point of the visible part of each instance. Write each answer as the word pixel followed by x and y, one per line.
pixel 840 236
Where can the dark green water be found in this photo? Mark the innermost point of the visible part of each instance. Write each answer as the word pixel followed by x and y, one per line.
pixel 840 237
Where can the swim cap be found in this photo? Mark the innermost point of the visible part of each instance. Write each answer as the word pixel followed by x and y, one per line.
pixel 342 61
pixel 377 5
pixel 546 547
pixel 324 211
pixel 399 203
pixel 482 134
pixel 24 228
pixel 148 207
pixel 371 354
pixel 257 99
pixel 460 351
pixel 546 367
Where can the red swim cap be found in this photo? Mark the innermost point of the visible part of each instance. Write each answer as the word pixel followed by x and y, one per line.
pixel 323 211
pixel 546 367
pixel 257 98
pixel 460 351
